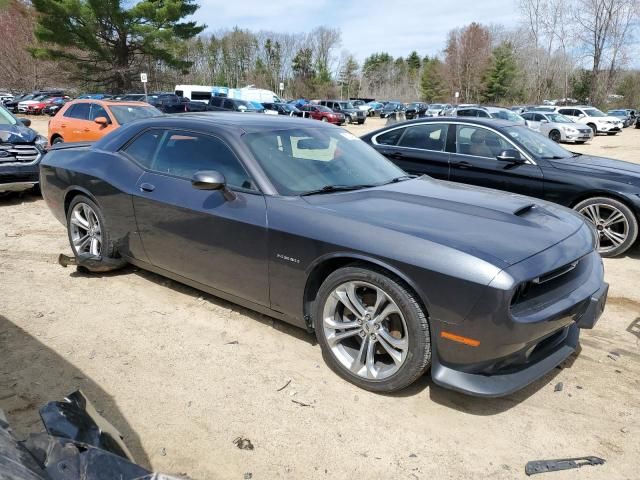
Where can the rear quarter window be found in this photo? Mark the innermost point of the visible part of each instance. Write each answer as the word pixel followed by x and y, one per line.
pixel 389 138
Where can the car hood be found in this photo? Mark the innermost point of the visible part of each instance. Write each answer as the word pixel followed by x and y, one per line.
pixel 620 170
pixel 498 227
pixel 17 134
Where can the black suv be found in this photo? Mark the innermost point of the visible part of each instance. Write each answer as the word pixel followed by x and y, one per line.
pixel 233 104
pixel 351 113
pixel 21 149
pixel 283 109
pixel 172 103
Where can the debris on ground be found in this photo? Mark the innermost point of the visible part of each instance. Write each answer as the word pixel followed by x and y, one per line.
pixel 544 466
pixel 624 430
pixel 232 342
pixel 302 404
pixel 559 386
pixel 163 452
pixel 248 476
pixel 243 443
pixel 613 357
pixel 284 386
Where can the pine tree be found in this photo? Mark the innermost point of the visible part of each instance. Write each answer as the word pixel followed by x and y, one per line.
pixel 105 42
pixel 499 79
pixel 431 84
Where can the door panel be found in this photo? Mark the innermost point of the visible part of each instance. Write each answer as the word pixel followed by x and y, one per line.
pixel 202 236
pixel 474 163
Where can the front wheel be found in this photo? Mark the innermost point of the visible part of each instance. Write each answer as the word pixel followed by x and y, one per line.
pixel 555 136
pixel 611 134
pixel 57 140
pixel 372 329
pixel 616 224
pixel 594 128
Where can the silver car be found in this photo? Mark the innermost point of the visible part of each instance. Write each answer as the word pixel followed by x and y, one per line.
pixel 558 127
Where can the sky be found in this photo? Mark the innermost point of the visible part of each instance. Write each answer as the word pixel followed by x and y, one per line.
pixel 368 26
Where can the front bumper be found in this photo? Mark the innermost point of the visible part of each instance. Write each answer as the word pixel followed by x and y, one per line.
pixel 519 343
pixel 19 178
pixel 608 128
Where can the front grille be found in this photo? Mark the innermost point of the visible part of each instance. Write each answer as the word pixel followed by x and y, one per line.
pixel 10 153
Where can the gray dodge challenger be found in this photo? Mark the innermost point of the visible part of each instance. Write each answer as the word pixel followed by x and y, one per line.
pixel 300 220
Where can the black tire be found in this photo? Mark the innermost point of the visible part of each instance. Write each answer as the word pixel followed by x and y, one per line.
pixel 108 248
pixel 611 134
pixel 555 136
pixel 580 142
pixel 57 139
pixel 361 122
pixel 418 356
pixel 632 234
pixel 593 127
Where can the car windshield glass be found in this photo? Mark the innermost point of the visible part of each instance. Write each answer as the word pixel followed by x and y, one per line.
pixel 129 113
pixel 557 118
pixel 303 160
pixel 507 115
pixel 618 113
pixel 322 108
pixel 538 145
pixel 6 118
pixel 435 106
pixel 346 105
pixel 594 112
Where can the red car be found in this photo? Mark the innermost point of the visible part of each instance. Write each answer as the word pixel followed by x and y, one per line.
pixel 38 108
pixel 325 114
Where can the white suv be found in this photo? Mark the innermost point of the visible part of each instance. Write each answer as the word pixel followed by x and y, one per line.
pixel 598 121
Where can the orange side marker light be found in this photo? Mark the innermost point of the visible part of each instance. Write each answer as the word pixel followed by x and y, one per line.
pixel 460 339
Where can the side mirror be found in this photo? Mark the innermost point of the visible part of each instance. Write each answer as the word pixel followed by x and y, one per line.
pixel 211 180
pixel 26 122
pixel 101 121
pixel 544 121
pixel 510 156
pixel 582 115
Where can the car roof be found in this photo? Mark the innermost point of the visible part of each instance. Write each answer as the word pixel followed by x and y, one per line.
pixel 246 122
pixel 487 122
pixel 108 103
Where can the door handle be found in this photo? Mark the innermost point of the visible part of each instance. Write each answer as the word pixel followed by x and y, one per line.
pixel 396 154
pixel 147 187
pixel 462 164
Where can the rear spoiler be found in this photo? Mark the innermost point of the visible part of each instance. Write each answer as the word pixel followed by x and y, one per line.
pixel 69 145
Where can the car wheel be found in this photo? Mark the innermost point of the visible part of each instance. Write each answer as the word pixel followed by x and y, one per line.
pixel 372 330
pixel 324 119
pixel 57 140
pixel 611 134
pixel 580 142
pixel 593 127
pixel 616 224
pixel 555 136
pixel 88 234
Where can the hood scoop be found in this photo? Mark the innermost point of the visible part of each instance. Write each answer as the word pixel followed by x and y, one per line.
pixel 523 210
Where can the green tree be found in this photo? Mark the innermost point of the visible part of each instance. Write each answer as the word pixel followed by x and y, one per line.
pixel 500 77
pixel 432 84
pixel 105 42
pixel 349 77
pixel 413 63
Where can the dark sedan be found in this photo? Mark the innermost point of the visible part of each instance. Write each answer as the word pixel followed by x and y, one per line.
pixel 304 222
pixel 508 156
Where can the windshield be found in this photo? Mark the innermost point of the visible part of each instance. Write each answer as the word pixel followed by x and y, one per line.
pixel 6 118
pixel 302 160
pixel 538 145
pixel 618 113
pixel 593 112
pixel 346 105
pixel 129 113
pixel 507 115
pixel 436 106
pixel 557 118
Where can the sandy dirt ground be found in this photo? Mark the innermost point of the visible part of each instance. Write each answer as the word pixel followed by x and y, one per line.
pixel 182 374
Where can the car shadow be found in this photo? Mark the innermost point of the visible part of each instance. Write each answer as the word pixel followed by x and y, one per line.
pixel 32 374
pixel 11 199
pixel 634 328
pixel 279 325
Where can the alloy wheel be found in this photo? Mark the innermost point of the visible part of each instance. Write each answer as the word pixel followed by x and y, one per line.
pixel 365 330
pixel 612 225
pixel 85 230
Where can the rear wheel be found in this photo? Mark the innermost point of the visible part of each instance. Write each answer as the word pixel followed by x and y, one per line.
pixel 580 142
pixel 372 329
pixel 555 136
pixel 87 230
pixel 57 139
pixel 611 134
pixel 616 224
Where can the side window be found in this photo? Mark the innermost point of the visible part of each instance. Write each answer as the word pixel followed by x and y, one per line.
pixel 466 113
pixel 527 116
pixel 184 153
pixel 228 104
pixel 216 101
pixel 143 149
pixel 80 111
pixel 180 93
pixel 482 113
pixel 480 142
pixel 426 136
pixel 389 138
pixel 97 111
pixel 566 111
pixel 539 117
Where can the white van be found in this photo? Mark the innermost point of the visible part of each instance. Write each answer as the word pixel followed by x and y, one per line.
pixel 253 94
pixel 195 93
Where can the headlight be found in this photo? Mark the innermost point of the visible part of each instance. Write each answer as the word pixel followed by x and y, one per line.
pixel 569 129
pixel 41 142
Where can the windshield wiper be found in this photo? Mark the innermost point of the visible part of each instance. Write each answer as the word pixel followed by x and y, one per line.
pixel 400 179
pixel 575 154
pixel 335 188
pixel 554 157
